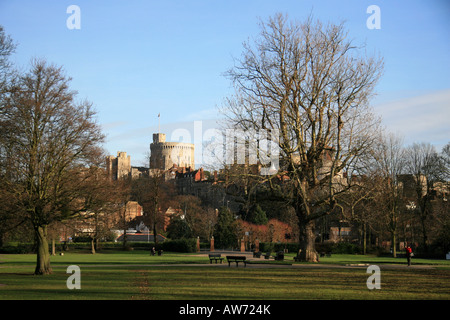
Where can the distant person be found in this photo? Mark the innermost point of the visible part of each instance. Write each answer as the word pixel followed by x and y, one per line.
pixel 409 254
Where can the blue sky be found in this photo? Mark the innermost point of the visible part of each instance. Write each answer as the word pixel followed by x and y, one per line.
pixel 136 59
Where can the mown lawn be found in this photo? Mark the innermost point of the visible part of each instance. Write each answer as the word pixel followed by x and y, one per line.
pixel 138 276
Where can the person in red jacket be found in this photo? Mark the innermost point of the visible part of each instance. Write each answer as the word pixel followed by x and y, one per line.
pixel 408 254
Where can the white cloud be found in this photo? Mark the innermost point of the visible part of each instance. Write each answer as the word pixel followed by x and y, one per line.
pixel 424 118
pixel 113 125
pixel 205 114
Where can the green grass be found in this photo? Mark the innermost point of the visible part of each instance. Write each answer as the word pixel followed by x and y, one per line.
pixel 139 276
pixel 344 259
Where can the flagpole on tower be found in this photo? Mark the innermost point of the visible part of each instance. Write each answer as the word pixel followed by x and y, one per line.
pixel 159 116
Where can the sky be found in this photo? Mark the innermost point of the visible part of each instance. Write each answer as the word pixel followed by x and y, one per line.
pixel 135 60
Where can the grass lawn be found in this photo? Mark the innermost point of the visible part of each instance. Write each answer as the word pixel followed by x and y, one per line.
pixel 137 275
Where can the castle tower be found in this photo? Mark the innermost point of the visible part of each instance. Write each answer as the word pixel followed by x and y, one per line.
pixel 118 167
pixel 163 155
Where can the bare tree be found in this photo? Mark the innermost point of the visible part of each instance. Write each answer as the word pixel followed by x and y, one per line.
pixel 49 142
pixel 154 193
pixel 106 200
pixel 199 218
pixel 427 167
pixel 309 87
pixel 445 154
pixel 389 165
pixel 357 204
pixel 7 47
pixel 9 213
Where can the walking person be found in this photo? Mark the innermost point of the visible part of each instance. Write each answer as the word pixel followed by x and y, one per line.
pixel 409 254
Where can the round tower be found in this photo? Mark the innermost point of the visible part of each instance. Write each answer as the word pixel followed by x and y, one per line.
pixel 163 155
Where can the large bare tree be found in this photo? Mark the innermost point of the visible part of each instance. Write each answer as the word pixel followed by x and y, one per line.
pixel 309 87
pixel 7 216
pixel 49 141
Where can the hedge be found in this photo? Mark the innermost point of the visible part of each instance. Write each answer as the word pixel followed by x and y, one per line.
pixel 185 246
pixel 180 245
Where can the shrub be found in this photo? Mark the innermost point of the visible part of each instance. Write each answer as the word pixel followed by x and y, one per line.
pixel 326 247
pixel 17 249
pixel 81 239
pixel 346 248
pixel 278 246
pixel 338 248
pixel 441 245
pixel 180 245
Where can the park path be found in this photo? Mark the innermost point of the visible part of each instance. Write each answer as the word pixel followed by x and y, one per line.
pixel 255 266
pixel 250 259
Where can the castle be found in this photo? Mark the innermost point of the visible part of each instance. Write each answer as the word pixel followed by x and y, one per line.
pixel 164 156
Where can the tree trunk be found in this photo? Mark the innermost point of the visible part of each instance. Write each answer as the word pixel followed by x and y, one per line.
pixel 307 241
pixel 155 238
pixel 53 247
pixel 364 238
pixel 424 234
pixel 43 254
pixel 394 244
pixel 92 245
pixel 124 243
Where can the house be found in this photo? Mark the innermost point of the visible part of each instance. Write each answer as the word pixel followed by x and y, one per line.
pixel 338 234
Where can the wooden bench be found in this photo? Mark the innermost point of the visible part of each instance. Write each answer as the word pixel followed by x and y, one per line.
pixel 267 255
pixel 215 257
pixel 237 259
